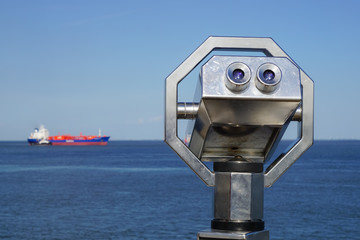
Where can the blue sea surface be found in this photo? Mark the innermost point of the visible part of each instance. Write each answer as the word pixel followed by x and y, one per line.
pixel 143 190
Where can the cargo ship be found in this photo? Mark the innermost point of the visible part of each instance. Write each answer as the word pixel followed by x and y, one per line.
pixel 40 136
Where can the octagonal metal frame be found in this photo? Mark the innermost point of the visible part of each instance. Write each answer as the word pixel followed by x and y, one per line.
pixel 269 48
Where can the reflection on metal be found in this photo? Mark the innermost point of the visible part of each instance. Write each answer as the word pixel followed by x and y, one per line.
pixel 259 235
pixel 245 106
pixel 238 76
pixel 187 110
pixel 284 161
pixel 232 186
pixel 246 124
pixel 268 77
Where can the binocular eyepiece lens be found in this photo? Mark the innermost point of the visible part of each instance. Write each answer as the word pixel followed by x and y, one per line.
pixel 237 76
pixel 268 77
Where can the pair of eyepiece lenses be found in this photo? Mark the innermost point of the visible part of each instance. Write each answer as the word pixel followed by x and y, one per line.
pixel 239 74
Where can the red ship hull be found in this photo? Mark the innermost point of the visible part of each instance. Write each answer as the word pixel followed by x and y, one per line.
pixel 68 140
pixel 78 143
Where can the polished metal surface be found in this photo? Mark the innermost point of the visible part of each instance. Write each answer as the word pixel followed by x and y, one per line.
pixel 284 161
pixel 244 107
pixel 243 124
pixel 238 75
pixel 214 77
pixel 238 196
pixel 298 114
pixel 258 235
pixel 268 84
pixel 266 45
pixel 270 49
pixel 187 110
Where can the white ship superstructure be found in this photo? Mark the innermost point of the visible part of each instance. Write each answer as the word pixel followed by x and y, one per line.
pixel 39 136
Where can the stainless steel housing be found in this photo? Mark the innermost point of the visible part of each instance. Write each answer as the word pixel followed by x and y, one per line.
pixel 270 49
pixel 243 125
pixel 238 196
pixel 237 124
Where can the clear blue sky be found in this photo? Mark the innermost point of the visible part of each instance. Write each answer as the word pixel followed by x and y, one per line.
pixel 80 65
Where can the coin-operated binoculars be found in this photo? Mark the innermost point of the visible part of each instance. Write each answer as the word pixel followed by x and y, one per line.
pixel 244 108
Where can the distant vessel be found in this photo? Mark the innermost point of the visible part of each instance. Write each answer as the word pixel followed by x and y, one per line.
pixel 40 136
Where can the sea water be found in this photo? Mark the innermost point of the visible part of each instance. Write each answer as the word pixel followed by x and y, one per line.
pixel 142 190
